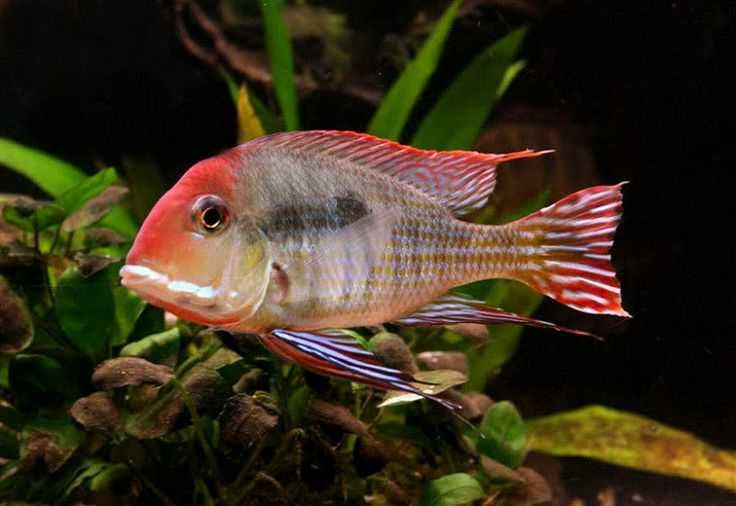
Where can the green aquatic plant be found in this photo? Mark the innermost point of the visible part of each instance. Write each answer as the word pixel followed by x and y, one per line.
pixel 103 399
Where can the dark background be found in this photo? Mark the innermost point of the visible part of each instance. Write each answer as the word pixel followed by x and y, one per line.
pixel 650 85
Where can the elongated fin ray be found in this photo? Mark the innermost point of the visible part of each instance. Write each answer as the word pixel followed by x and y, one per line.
pixel 460 180
pixel 452 309
pixel 342 357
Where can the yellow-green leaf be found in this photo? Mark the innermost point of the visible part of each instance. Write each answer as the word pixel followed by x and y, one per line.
pixel 634 441
pixel 249 126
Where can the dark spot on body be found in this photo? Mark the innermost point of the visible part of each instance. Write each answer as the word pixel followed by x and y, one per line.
pixel 297 218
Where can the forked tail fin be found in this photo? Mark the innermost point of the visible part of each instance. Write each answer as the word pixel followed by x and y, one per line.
pixel 571 258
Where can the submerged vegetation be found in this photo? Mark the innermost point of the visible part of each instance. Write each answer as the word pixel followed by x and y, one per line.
pixel 104 399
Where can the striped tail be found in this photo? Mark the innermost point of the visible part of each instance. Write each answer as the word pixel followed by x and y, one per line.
pixel 570 250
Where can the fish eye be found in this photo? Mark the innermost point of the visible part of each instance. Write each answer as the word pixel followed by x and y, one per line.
pixel 210 213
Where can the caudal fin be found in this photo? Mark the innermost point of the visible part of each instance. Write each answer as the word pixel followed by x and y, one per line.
pixel 571 259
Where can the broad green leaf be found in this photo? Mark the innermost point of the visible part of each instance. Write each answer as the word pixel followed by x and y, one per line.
pixel 634 441
pixel 451 490
pixel 155 348
pixel 57 178
pixel 128 307
pixel 86 189
pixel 503 435
pixel 249 126
pixel 30 215
pixel 39 378
pixel 460 113
pixel 52 175
pixel 486 361
pixel 9 444
pixel 87 471
pixel 143 177
pixel 94 209
pixel 85 309
pixel 390 118
pixel 278 48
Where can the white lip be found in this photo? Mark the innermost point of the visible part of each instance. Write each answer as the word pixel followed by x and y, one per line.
pixel 144 280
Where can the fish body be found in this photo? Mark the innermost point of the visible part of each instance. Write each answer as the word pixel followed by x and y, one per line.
pixel 305 231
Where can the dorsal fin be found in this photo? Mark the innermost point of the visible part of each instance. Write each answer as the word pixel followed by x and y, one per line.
pixel 460 180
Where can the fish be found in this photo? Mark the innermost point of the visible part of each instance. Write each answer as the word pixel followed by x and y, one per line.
pixel 294 236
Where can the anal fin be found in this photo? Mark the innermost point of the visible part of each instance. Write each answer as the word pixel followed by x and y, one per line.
pixel 452 309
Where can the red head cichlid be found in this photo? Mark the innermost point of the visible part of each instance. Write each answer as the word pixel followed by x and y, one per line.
pixel 294 234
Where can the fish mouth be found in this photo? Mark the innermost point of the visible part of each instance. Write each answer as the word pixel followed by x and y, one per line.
pixel 152 284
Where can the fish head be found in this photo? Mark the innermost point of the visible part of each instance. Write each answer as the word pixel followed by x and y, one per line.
pixel 198 253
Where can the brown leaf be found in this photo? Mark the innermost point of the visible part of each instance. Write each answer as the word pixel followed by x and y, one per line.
pixel 97 411
pixel 473 405
pixel 475 331
pixel 369 455
pixel 90 264
pixel 394 351
pixel 246 420
pixel 267 492
pixel 95 237
pixel 94 209
pixel 536 489
pixel 125 371
pixel 454 360
pixel 16 324
pixel 497 471
pixel 337 416
pixel 396 495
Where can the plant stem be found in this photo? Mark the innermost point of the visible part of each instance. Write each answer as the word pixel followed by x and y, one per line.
pixel 156 491
pixel 206 449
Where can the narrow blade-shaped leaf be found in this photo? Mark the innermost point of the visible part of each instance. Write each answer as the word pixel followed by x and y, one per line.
pixel 462 110
pixel 278 47
pixel 249 126
pixel 630 440
pixel 52 175
pixel 390 118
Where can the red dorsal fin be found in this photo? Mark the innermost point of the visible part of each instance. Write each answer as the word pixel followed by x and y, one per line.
pixel 460 180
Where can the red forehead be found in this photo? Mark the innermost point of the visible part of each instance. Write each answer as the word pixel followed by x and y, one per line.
pixel 214 175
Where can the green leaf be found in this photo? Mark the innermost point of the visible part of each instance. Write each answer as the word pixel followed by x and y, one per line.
pixel 503 435
pixel 85 308
pixel 52 175
pixel 155 348
pixel 390 118
pixel 451 490
pixel 278 48
pixel 486 361
pixel 86 189
pixel 128 307
pixel 30 215
pixel 460 113
pixel 33 376
pixel 634 441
